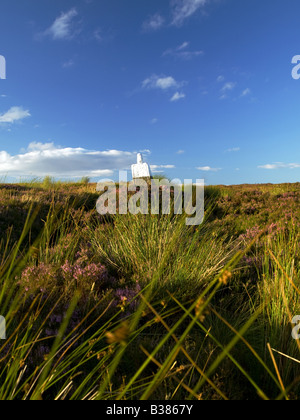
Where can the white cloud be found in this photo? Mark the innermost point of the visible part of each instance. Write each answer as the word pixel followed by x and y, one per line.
pixel 154 23
pixel 157 168
pixel 154 121
pixel 42 159
pixel 166 83
pixel 180 152
pixel 280 165
pixel 16 113
pixel 183 9
pixel 163 83
pixel 177 96
pixel 208 169
pixel 182 52
pixel 37 146
pixel 233 149
pixel 228 86
pixel 68 63
pixel 269 166
pixel 246 92
pixel 188 55
pixel 63 27
pixel 183 46
pixel 220 79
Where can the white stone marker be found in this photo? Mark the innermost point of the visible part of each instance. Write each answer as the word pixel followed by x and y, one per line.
pixel 141 169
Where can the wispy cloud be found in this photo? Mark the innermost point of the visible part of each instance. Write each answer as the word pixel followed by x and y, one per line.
pixel 183 9
pixel 67 64
pixel 63 27
pixel 233 149
pixel 208 169
pixel 246 92
pixel 228 86
pixel 182 52
pixel 280 165
pixel 183 46
pixel 163 83
pixel 153 23
pixel 16 113
pixel 177 96
pixel 180 11
pixel 158 168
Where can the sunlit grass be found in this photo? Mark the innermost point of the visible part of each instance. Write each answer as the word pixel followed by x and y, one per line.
pixel 182 312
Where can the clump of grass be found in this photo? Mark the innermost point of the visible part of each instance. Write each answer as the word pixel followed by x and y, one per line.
pixel 48 182
pixel 145 248
pixel 85 180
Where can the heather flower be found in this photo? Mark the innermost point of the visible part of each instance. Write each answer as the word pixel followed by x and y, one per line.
pixel 251 233
pixel 38 278
pixel 85 276
pixel 80 274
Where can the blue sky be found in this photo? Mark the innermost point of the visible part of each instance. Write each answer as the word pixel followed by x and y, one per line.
pixel 202 87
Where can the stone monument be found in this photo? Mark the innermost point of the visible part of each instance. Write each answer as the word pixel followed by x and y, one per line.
pixel 140 169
